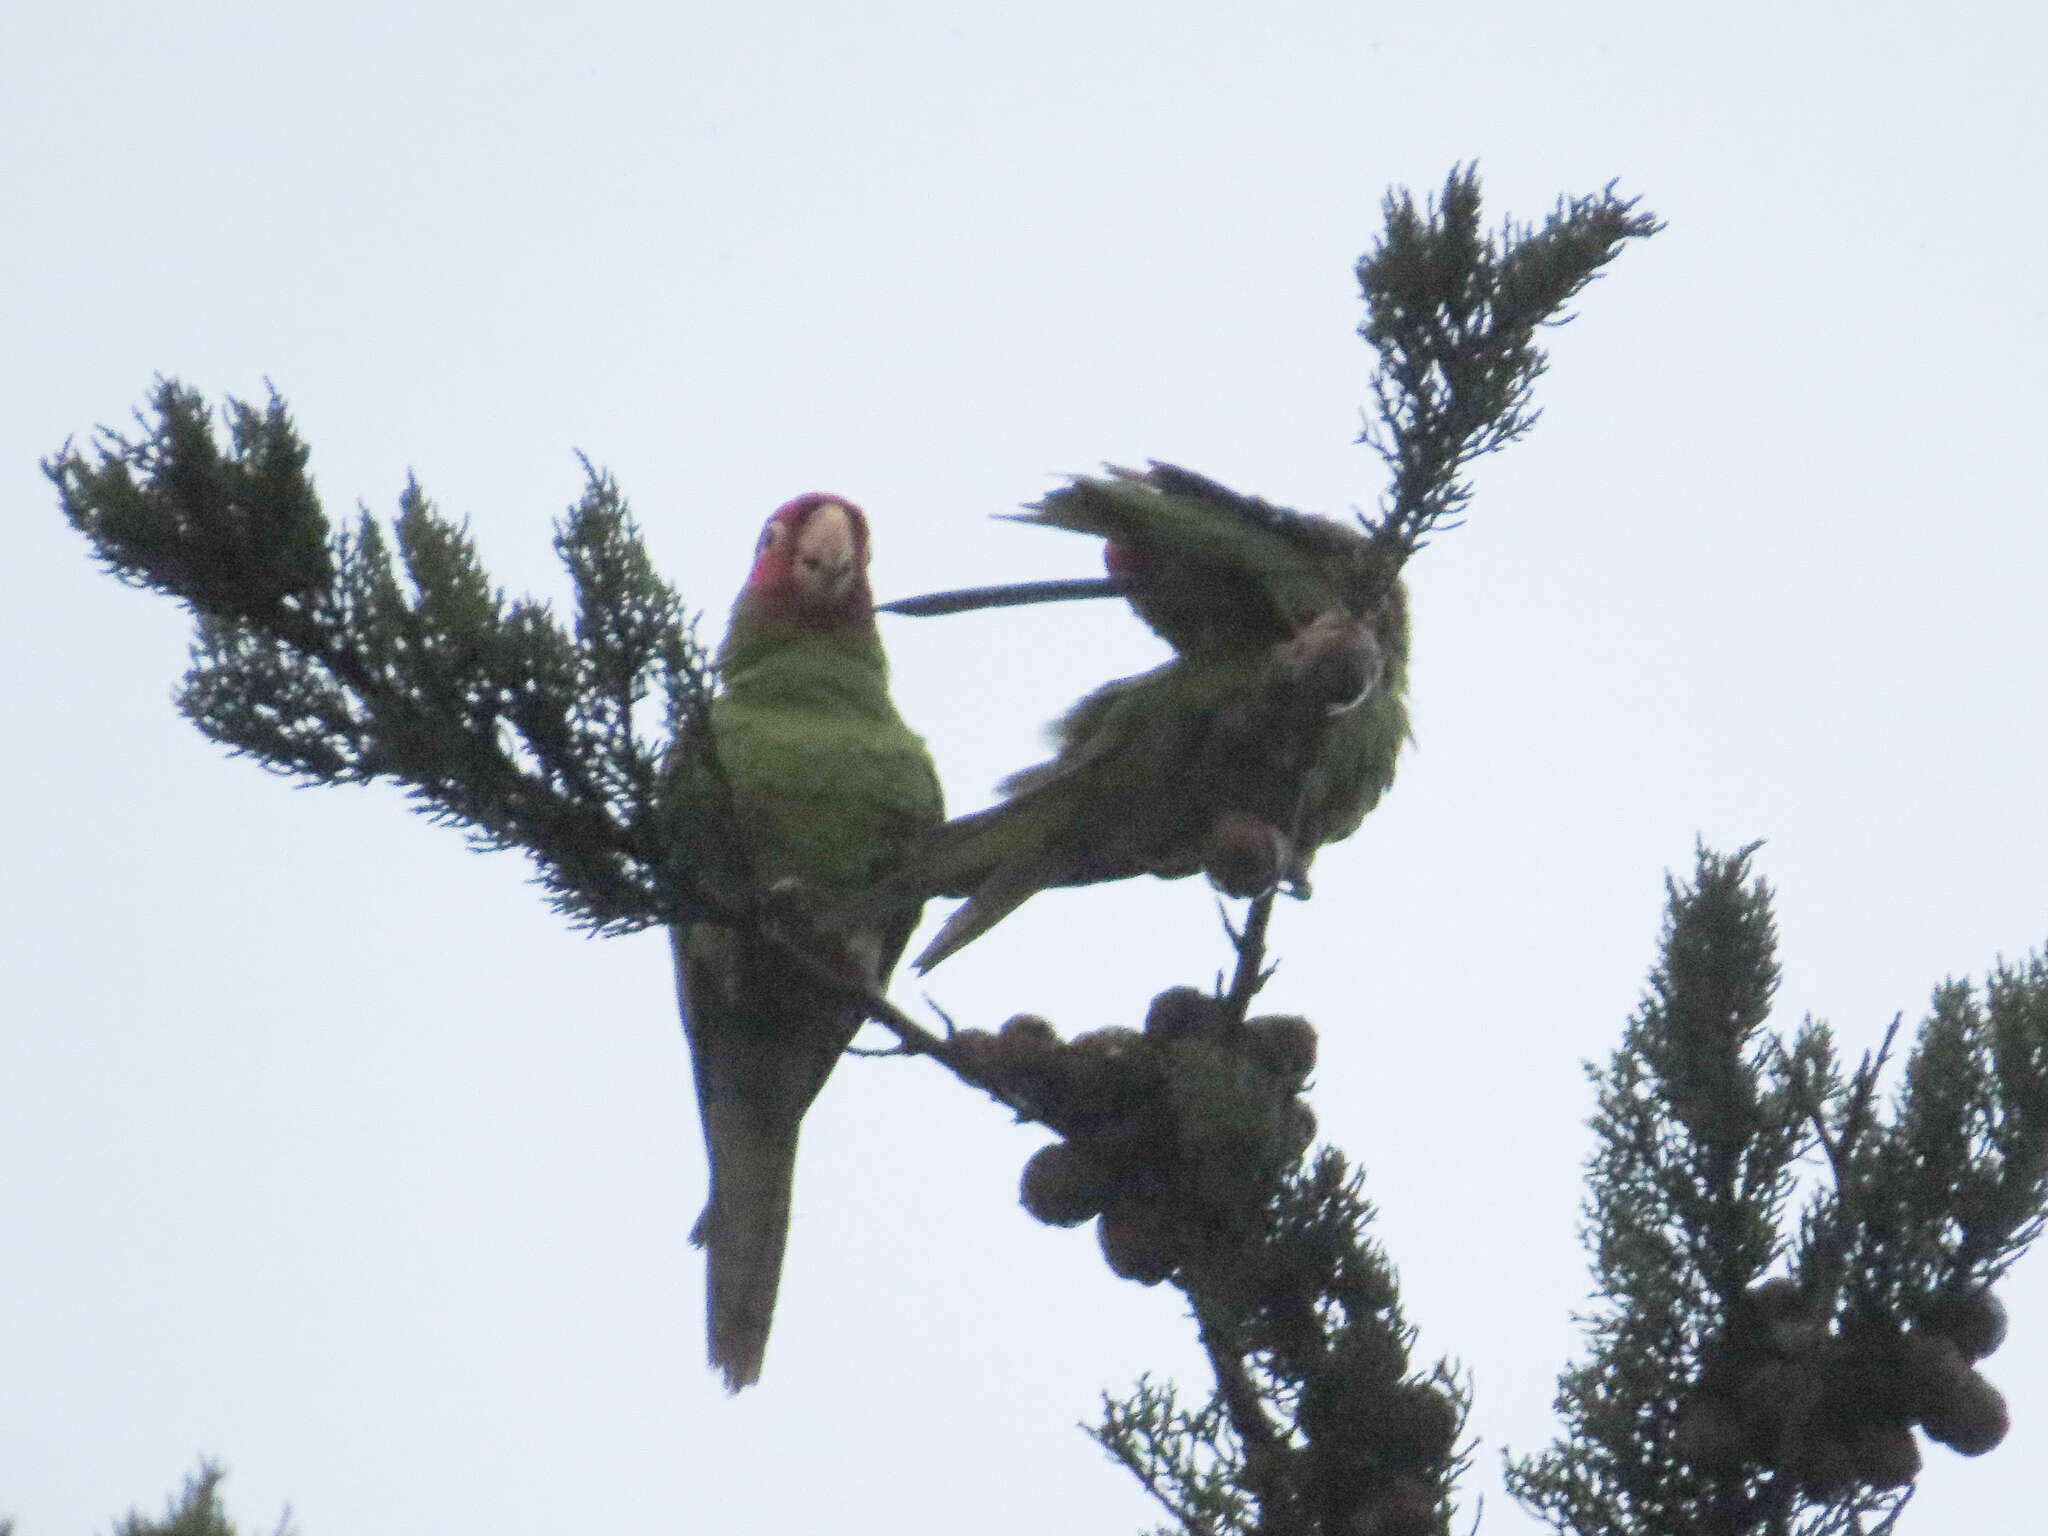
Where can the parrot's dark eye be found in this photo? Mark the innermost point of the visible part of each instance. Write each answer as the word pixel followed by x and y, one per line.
pixel 770 537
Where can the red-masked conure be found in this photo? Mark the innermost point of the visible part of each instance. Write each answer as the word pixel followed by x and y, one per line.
pixel 829 788
pixel 1272 731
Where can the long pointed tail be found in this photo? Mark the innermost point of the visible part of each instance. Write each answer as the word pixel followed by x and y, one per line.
pixel 995 899
pixel 743 1231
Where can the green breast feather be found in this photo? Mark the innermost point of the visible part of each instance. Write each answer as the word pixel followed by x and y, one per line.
pixel 829 783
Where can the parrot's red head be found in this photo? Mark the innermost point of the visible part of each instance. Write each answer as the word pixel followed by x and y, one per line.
pixel 811 564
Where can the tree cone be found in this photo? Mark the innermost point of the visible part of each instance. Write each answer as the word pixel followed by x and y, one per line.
pixel 1284 1046
pixel 1971 1419
pixel 1183 1013
pixel 1137 1242
pixel 1972 1320
pixel 1061 1186
pixel 1886 1455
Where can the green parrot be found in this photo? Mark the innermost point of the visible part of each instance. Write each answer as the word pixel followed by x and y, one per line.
pixel 829 789
pixel 1272 731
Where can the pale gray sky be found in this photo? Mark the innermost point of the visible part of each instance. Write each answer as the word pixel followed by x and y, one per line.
pixel 329 1151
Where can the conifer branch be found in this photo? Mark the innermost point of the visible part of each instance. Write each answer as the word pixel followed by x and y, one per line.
pixel 1453 314
pixel 325 661
pixel 1717 1402
pixel 1252 973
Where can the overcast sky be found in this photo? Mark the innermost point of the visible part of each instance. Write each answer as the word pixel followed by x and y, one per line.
pixel 325 1149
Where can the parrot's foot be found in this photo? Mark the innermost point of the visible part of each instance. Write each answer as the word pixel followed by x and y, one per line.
pixel 1246 856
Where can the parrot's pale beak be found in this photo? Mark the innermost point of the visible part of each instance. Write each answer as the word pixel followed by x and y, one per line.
pixel 827 555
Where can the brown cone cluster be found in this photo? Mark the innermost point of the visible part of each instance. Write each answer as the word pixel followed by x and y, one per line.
pixel 1378 1443
pixel 1182 1141
pixel 1835 1410
pixel 1171 1135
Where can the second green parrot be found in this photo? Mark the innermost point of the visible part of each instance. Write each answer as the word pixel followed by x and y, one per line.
pixel 1272 731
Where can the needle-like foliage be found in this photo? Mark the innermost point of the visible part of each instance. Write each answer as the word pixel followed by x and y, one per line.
pixel 1453 313
pixel 197 1511
pixel 331 657
pixel 1318 1422
pixel 1753 1371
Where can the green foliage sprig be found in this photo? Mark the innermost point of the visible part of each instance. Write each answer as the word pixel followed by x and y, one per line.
pixel 1753 1372
pixel 197 1511
pixel 325 659
pixel 1318 1422
pixel 1453 313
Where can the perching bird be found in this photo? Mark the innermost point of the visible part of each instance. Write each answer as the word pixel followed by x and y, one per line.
pixel 829 788
pixel 1272 731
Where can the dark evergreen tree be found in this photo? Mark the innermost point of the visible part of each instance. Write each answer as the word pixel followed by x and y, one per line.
pixel 1764 1341
pixel 1750 1371
pixel 197 1511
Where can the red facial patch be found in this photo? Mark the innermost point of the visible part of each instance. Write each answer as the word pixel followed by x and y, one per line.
pixel 775 553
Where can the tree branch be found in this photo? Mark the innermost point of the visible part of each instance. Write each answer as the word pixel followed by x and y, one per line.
pixel 1252 972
